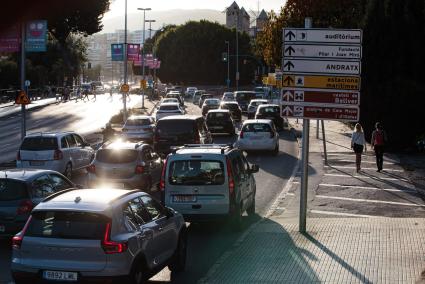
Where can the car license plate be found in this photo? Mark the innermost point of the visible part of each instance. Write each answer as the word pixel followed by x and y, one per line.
pixel 184 198
pixel 36 163
pixel 2 229
pixel 60 275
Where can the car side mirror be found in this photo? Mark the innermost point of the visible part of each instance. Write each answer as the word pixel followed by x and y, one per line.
pixel 169 212
pixel 255 169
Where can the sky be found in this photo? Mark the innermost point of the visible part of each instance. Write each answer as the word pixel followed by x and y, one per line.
pixel 117 6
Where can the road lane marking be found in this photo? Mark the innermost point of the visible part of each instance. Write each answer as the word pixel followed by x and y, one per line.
pixel 363 162
pixel 370 201
pixel 366 187
pixel 359 176
pixel 349 167
pixel 364 156
pixel 343 214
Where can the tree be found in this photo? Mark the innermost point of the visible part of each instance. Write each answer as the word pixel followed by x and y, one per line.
pixel 190 52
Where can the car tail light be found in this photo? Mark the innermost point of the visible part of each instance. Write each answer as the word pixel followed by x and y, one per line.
pixel 91 169
pixel 109 246
pixel 230 178
pixel 25 207
pixel 162 181
pixel 17 239
pixel 241 134
pixel 58 155
pixel 18 155
pixel 139 169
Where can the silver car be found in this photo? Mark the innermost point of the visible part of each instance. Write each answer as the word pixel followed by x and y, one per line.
pixel 168 109
pixel 253 105
pixel 98 234
pixel 57 151
pixel 125 165
pixel 258 134
pixel 139 127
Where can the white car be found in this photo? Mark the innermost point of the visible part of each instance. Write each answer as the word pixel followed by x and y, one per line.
pixel 258 134
pixel 228 96
pixel 190 91
pixel 168 109
pixel 139 127
pixel 57 151
pixel 169 100
pixel 252 107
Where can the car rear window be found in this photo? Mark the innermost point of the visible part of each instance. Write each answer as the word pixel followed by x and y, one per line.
pixel 67 225
pixel 218 115
pixel 116 156
pixel 138 122
pixel 230 106
pixel 273 109
pixel 175 127
pixel 257 127
pixel 12 190
pixel 39 143
pixel 212 102
pixel 168 107
pixel 196 172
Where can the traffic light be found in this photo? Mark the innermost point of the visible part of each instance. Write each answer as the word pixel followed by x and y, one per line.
pixel 224 57
pixel 143 84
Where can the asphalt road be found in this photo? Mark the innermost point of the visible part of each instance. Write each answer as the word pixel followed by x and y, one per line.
pixel 206 243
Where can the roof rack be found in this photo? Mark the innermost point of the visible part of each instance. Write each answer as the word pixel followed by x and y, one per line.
pixel 222 147
pixel 51 196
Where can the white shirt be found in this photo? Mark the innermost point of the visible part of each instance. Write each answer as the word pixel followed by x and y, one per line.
pixel 358 138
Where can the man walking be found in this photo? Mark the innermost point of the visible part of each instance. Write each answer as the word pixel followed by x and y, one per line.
pixel 378 140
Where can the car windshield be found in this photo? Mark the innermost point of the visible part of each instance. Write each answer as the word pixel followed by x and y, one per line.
pixel 256 127
pixel 138 122
pixel 244 96
pixel 175 127
pixel 116 156
pixel 39 143
pixel 67 225
pixel 12 190
pixel 169 107
pixel 196 172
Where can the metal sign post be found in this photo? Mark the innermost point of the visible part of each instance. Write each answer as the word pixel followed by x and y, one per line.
pixel 305 152
pixel 23 106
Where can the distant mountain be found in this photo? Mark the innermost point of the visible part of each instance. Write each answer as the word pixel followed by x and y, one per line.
pixel 175 17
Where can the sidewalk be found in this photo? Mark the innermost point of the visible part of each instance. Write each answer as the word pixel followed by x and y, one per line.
pixel 361 228
pixel 10 108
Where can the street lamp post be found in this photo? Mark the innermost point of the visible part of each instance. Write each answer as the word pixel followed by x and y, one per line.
pixel 236 13
pixel 150 32
pixel 143 51
pixel 228 63
pixel 124 98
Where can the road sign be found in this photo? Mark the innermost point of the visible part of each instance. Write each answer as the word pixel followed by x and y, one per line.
pixel 320 96
pixel 321 67
pixel 143 84
pixel 22 99
pixel 320 112
pixel 322 51
pixel 27 83
pixel 323 35
pixel 125 88
pixel 322 82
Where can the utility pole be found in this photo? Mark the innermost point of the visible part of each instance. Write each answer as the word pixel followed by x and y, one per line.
pixel 124 97
pixel 228 64
pixel 237 51
pixel 143 52
pixel 150 34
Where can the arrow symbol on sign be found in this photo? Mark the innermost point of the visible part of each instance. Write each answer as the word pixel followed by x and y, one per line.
pixel 289 65
pixel 288 80
pixel 287 111
pixel 290 34
pixel 289 50
pixel 288 96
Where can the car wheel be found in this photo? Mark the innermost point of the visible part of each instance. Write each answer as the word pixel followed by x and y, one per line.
pixel 251 209
pixel 236 220
pixel 68 171
pixel 276 150
pixel 178 261
pixel 137 274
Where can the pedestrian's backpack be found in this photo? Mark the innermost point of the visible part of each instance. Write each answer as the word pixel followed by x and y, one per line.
pixel 379 137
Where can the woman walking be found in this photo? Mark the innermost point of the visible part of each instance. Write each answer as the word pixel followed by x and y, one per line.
pixel 358 143
pixel 378 141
